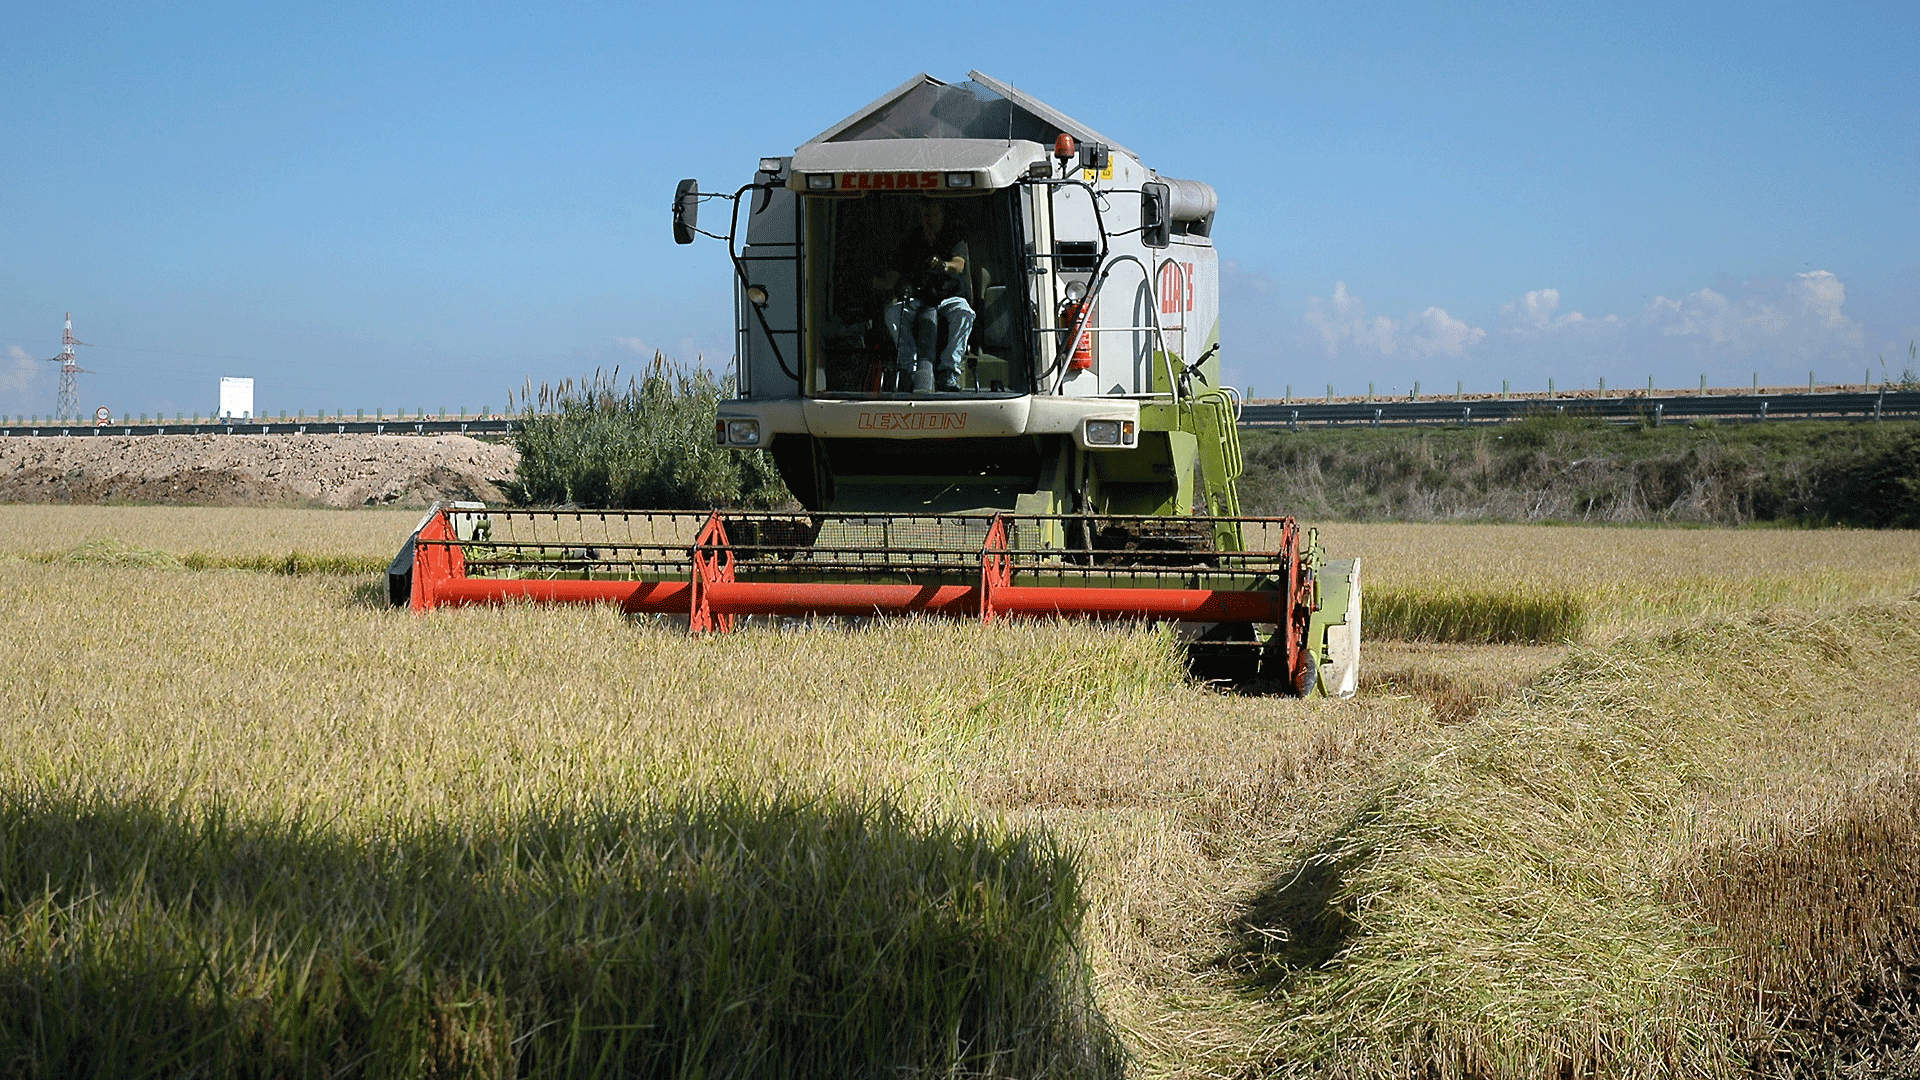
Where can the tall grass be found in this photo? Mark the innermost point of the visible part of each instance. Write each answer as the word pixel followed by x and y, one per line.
pixel 705 934
pixel 648 445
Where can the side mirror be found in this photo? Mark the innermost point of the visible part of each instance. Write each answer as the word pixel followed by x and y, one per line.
pixel 686 210
pixel 1156 215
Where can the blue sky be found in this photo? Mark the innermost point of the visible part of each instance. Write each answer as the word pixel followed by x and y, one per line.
pixel 376 205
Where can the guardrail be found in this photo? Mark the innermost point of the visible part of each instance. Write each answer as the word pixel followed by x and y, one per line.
pixel 275 427
pixel 1875 405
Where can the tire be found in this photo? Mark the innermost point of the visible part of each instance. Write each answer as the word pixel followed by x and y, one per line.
pixel 1307 677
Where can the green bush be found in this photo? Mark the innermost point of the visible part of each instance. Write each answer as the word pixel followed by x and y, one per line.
pixel 1572 468
pixel 648 445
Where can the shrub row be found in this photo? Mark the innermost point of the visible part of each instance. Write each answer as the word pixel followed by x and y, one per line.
pixel 646 445
pixel 1570 468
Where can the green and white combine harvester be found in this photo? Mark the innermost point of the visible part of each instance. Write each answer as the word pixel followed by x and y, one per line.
pixel 1056 442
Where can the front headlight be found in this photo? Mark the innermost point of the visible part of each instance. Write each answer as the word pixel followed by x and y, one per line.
pixel 743 433
pixel 1103 432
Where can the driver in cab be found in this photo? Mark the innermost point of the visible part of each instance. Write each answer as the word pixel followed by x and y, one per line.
pixel 928 280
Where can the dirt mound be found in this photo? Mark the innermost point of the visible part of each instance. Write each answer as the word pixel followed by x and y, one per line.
pixel 253 470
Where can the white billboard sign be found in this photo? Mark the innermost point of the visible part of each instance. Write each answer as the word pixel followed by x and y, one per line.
pixel 236 398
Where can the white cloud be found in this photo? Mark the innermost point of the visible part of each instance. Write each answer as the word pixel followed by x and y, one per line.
pixel 1778 329
pixel 1343 327
pixel 685 350
pixel 1797 321
pixel 1539 311
pixel 19 379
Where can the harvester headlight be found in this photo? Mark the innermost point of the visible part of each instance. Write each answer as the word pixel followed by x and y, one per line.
pixel 959 179
pixel 757 294
pixel 743 433
pixel 820 181
pixel 1103 432
pixel 771 165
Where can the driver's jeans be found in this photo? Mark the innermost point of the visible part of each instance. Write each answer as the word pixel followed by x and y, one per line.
pixel 915 326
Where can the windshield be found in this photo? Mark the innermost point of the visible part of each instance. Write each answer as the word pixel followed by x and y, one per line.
pixel 900 279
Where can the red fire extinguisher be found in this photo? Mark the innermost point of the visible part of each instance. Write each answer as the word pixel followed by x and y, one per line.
pixel 1072 310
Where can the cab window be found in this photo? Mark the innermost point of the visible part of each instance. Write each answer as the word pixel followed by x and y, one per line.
pixel 855 248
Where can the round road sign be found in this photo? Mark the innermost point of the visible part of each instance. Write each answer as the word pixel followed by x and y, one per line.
pixel 103 414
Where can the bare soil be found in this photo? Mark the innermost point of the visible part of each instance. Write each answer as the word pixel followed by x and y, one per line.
pixel 253 470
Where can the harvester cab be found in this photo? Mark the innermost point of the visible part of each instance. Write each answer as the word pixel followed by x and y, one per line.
pixel 980 342
pixel 1057 354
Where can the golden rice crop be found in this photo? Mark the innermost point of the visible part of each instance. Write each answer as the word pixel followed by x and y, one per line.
pixel 1524 615
pixel 1608 582
pixel 215 531
pixel 280 699
pixel 1492 862
pixel 1608 873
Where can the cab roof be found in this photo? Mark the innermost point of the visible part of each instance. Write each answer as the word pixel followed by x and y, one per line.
pixel 981 108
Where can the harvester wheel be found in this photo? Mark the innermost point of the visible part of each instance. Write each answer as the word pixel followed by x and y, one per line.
pixel 1305 675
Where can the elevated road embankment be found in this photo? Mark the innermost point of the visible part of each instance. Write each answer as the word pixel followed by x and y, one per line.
pixel 1640 408
pixel 490 426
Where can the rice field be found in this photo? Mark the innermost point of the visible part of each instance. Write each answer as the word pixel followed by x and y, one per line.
pixel 1625 581
pixel 359 841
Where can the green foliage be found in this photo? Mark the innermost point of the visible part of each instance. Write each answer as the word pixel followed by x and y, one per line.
pixel 1544 429
pixel 647 446
pixel 1569 468
pixel 710 936
pixel 1909 375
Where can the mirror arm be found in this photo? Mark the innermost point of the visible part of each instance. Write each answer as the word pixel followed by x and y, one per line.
pixel 740 272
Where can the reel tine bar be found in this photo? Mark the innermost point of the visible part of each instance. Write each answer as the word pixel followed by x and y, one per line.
pixel 781 565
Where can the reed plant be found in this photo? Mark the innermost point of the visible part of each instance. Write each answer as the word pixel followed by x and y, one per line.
pixel 648 444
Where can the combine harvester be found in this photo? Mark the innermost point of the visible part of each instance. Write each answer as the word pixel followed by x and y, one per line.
pixel 1055 442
